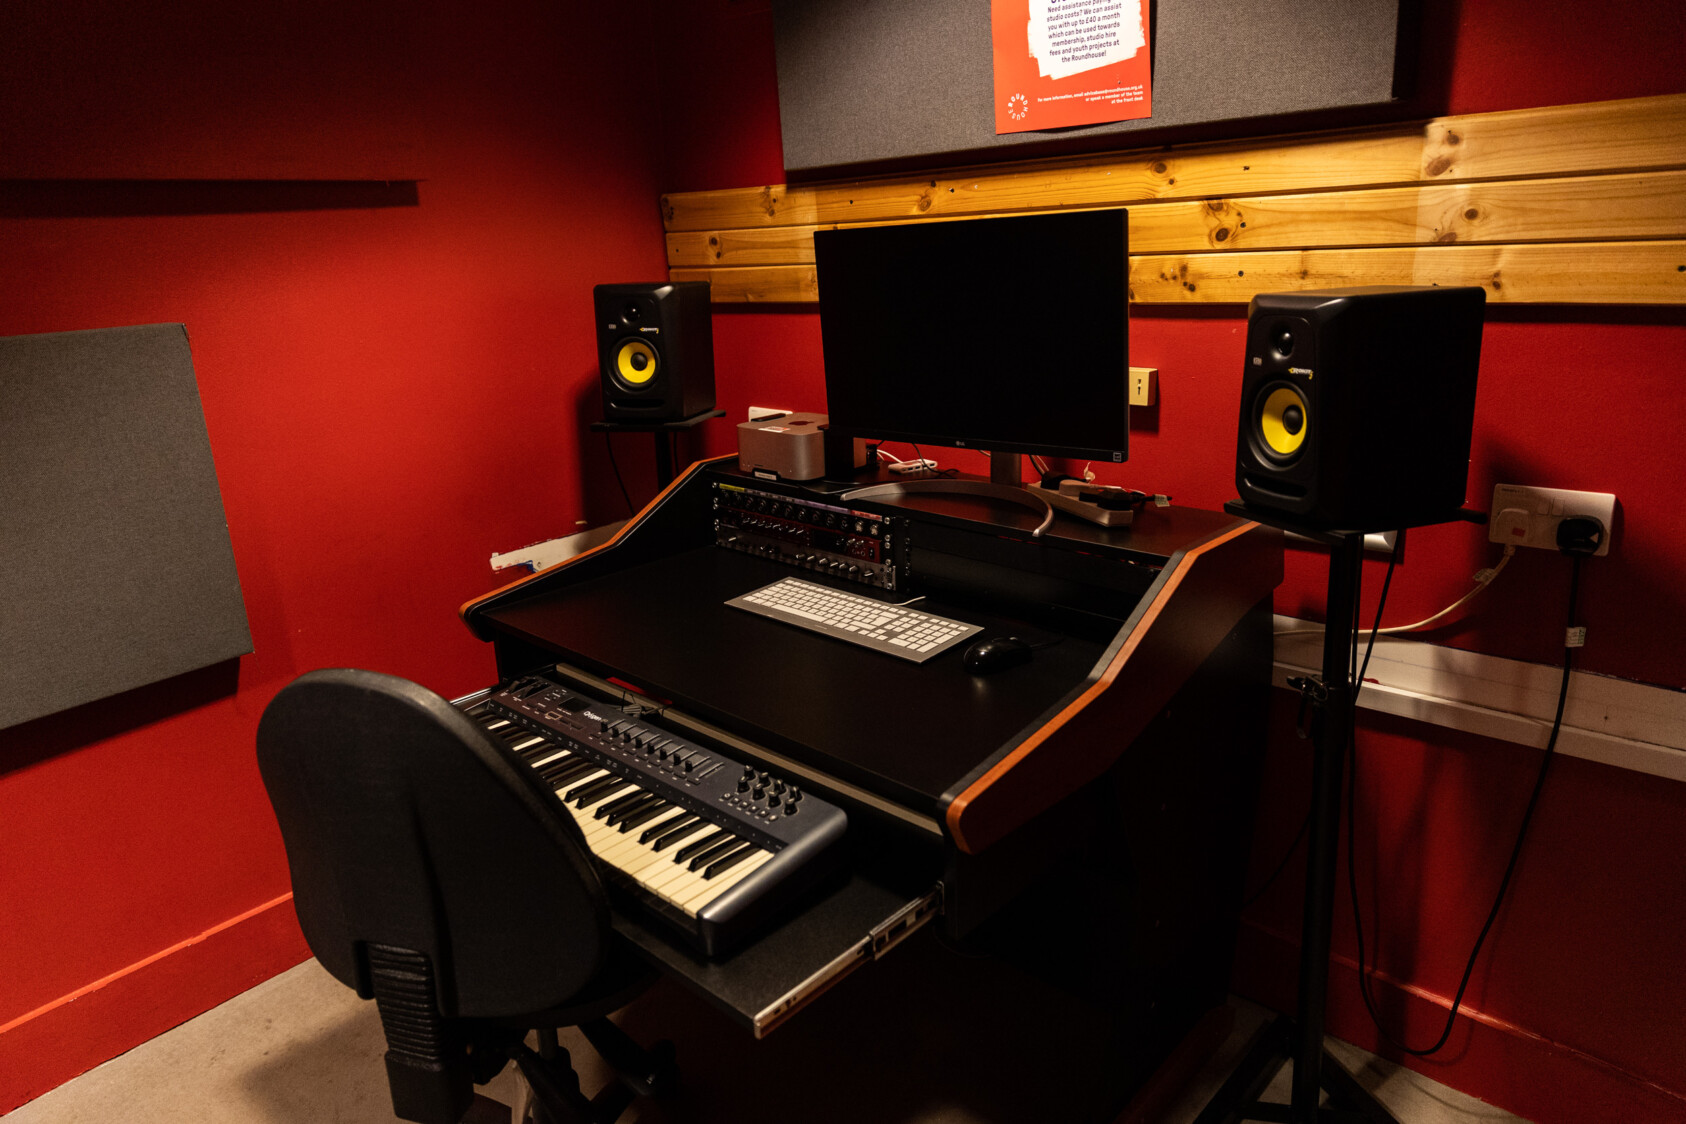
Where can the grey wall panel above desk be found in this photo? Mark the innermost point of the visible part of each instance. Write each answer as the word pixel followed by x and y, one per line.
pixel 863 81
pixel 118 567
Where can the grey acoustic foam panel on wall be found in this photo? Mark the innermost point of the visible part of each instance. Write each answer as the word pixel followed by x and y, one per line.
pixel 862 81
pixel 118 567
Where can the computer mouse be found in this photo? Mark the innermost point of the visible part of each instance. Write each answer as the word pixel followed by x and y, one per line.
pixel 998 653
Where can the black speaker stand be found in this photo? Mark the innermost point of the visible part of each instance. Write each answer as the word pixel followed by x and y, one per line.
pixel 664 431
pixel 1300 1038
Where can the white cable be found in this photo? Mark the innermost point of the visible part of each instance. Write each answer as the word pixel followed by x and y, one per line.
pixel 1483 578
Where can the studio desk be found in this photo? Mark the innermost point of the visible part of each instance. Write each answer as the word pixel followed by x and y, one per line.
pixel 1119 764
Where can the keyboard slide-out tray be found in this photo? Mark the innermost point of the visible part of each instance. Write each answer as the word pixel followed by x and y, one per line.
pixel 778 974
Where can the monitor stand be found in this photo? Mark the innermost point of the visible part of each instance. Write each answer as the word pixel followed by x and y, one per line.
pixel 1006 482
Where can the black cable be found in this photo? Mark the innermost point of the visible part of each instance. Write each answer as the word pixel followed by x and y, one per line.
pixel 1376 626
pixel 1510 867
pixel 610 445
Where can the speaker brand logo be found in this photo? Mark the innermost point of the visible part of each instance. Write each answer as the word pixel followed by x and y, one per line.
pixel 1306 371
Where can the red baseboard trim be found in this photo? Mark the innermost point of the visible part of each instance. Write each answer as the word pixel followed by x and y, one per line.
pixel 1487 1057
pixel 46 1047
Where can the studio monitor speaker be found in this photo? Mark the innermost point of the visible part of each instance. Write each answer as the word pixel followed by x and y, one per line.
pixel 1357 405
pixel 655 348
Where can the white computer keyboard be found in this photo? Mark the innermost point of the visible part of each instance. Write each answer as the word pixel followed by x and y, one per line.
pixel 896 629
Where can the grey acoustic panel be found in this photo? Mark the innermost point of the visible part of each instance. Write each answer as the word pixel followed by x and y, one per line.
pixel 862 81
pixel 118 567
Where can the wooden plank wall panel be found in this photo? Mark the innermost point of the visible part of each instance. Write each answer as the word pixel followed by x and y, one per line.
pixel 1533 201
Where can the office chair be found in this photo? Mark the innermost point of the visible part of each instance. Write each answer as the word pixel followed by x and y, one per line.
pixel 434 873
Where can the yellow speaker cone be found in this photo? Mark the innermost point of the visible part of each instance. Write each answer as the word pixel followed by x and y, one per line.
pixel 1282 422
pixel 635 362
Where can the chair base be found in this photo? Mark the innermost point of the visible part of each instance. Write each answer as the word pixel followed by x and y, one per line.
pixel 557 1098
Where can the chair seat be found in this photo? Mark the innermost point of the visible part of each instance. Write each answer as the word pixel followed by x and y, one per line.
pixel 623 976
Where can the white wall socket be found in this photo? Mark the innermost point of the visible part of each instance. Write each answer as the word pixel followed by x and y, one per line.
pixel 1524 516
pixel 1144 386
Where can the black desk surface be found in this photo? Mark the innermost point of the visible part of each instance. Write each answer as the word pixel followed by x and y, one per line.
pixel 908 731
pixel 649 610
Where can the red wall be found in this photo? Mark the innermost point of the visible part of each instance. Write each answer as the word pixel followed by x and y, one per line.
pixel 392 395
pixel 1580 986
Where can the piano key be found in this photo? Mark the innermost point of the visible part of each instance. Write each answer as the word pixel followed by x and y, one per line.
pixel 713 837
pixel 544 755
pixel 668 828
pixel 706 889
pixel 588 794
pixel 609 807
pixel 708 858
pixel 694 888
pixel 567 770
pixel 657 878
pixel 643 865
pixel 595 831
pixel 708 854
pixel 643 815
pixel 728 861
pixel 562 786
pixel 605 795
pixel 630 846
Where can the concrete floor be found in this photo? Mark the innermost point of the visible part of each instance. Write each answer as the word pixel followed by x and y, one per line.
pixel 924 1037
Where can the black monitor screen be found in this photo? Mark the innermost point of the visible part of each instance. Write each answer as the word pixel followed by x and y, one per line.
pixel 1007 334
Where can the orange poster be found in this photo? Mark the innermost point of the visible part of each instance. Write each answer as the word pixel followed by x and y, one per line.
pixel 1069 62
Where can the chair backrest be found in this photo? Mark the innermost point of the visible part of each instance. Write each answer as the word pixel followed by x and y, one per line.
pixel 407 827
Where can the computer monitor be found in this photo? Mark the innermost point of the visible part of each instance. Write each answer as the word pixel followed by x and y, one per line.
pixel 1005 334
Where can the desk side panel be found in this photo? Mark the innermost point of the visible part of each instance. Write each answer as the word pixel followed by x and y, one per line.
pixel 675 520
pixel 1203 593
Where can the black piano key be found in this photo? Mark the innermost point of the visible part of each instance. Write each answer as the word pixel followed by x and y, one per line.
pixel 565 770
pixel 538 750
pixel 667 834
pixel 718 851
pixel 568 776
pixel 592 788
pixel 645 814
pixel 609 811
pixel 589 793
pixel 729 860
pixel 708 840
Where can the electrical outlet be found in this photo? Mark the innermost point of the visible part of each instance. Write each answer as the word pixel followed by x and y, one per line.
pixel 1524 516
pixel 1144 386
